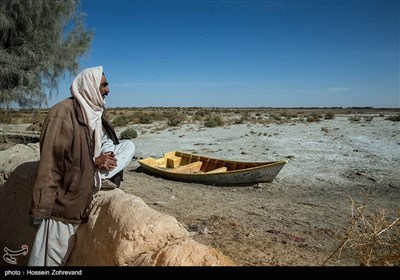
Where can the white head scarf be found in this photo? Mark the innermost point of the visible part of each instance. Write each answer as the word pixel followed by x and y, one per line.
pixel 86 90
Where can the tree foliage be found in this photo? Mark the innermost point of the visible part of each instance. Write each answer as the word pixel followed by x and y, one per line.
pixel 40 41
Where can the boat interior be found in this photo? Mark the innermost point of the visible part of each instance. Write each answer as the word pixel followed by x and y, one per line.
pixel 179 162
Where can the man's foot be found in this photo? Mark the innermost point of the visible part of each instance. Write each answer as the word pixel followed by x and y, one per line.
pixel 107 184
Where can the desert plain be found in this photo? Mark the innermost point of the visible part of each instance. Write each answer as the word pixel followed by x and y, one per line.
pixel 335 203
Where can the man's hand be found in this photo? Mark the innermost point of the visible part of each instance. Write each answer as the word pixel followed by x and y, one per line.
pixel 106 161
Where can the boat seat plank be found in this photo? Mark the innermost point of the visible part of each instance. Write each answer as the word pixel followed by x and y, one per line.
pixel 160 162
pixel 217 170
pixel 173 162
pixel 188 168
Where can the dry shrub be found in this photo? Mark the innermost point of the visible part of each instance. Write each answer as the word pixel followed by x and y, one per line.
pixel 128 133
pixel 371 239
pixel 213 121
pixel 325 129
pixel 394 118
pixel 329 116
pixel 355 118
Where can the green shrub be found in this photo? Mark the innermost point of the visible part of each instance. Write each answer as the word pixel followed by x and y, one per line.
pixel 213 121
pixel 394 118
pixel 173 121
pixel 146 119
pixel 329 116
pixel 275 117
pixel 128 133
pixel 311 119
pixel 287 115
pixel 197 117
pixel 201 113
pixel 314 117
pixel 174 118
pixel 120 120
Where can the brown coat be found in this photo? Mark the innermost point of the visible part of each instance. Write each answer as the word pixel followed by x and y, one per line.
pixel 64 184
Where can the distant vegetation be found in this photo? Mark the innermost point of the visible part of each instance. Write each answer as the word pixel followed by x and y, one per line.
pixel 213 121
pixel 395 118
pixel 212 117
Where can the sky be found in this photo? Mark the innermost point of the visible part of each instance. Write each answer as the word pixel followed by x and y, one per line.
pixel 245 53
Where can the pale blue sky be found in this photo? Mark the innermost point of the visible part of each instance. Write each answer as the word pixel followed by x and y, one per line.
pixel 245 53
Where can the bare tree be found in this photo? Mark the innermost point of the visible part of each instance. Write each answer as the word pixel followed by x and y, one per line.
pixel 40 41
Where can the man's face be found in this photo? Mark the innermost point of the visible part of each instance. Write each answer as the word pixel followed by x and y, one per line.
pixel 104 87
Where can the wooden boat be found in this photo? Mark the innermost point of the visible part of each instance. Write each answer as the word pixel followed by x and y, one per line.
pixel 186 167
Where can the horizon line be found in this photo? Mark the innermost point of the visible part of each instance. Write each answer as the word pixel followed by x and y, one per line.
pixel 228 107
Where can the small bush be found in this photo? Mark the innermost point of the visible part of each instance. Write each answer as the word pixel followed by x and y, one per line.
pixel 395 118
pixel 355 118
pixel 146 119
pixel 240 121
pixel 275 117
pixel 325 129
pixel 174 118
pixel 329 116
pixel 128 133
pixel 368 118
pixel 173 121
pixel 120 120
pixel 314 117
pixel 311 119
pixel 287 115
pixel 213 121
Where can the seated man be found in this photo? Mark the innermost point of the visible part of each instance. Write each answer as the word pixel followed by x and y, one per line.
pixel 73 159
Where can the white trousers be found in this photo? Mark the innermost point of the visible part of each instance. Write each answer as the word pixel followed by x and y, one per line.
pixel 53 243
pixel 123 152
